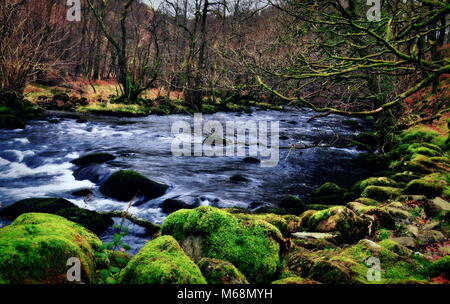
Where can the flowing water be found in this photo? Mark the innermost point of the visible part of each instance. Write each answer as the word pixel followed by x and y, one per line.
pixel 35 162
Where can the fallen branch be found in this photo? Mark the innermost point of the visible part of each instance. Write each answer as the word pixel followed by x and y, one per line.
pixel 151 228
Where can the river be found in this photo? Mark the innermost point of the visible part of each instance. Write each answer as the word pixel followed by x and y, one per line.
pixel 35 162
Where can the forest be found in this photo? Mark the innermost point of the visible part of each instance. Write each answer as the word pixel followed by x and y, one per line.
pixel 224 142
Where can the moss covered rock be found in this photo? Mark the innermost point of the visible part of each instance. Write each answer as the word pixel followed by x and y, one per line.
pixel 440 267
pixel 405 177
pixel 375 181
pixel 294 281
pixel 252 245
pixel 35 248
pixel 380 193
pixel 93 159
pixel 221 272
pixel 124 185
pixel 329 194
pixel 340 220
pixel 8 121
pixel 424 187
pixel 161 261
pixel 292 204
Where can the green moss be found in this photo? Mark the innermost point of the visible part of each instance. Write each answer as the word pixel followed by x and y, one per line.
pixel 348 226
pixel 292 204
pixel 208 109
pixel 380 194
pixel 161 261
pixel 221 272
pixel 93 158
pixel 405 177
pixel 8 121
pixel 35 249
pixel 375 181
pixel 367 201
pixel 328 189
pixel 253 246
pixel 318 206
pixel 441 266
pixel 126 184
pixel 424 187
pixel 294 280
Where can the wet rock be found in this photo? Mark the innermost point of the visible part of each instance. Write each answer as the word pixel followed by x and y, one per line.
pixel 41 205
pixel 405 177
pixel 221 272
pixel 161 261
pixel 238 178
pixel 41 256
pixel 251 160
pixel 124 185
pixel 172 205
pixel 91 220
pixel 95 174
pixel 436 205
pixel 94 158
pixel 380 193
pixel 8 121
pixel 82 192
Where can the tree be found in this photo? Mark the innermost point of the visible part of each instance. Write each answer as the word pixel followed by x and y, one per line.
pixel 351 60
pixel 28 39
pixel 135 68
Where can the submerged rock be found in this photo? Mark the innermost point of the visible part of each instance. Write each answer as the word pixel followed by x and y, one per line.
pixel 238 178
pixel 161 261
pixel 221 272
pixel 36 247
pixel 252 245
pixel 172 205
pixel 124 185
pixel 94 158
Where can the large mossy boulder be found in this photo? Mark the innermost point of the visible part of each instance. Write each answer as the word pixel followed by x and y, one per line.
pixel 329 194
pixel 161 261
pixel 8 121
pixel 94 158
pixel 221 272
pixel 40 205
pixel 36 247
pixel 252 245
pixel 375 181
pixel 341 221
pixel 380 193
pixel 124 185
pixel 294 280
pixel 425 186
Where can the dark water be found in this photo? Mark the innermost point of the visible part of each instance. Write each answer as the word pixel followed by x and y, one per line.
pixel 35 162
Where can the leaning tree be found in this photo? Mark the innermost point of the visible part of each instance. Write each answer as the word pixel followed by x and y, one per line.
pixel 352 58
